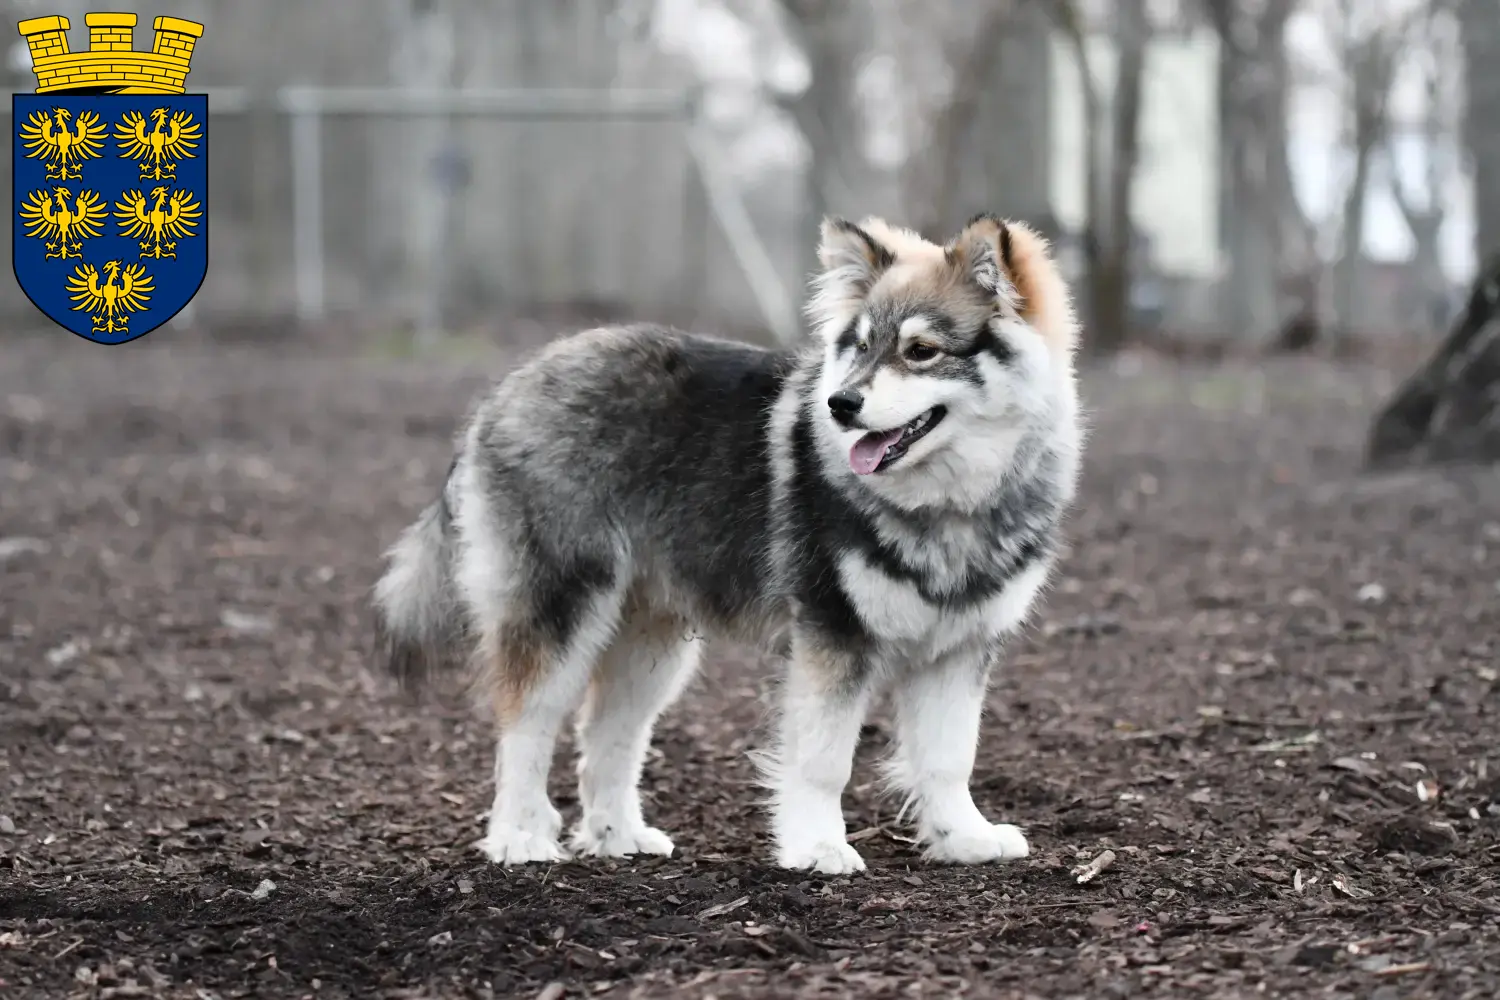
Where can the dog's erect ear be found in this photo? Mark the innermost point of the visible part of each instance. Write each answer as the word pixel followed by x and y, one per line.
pixel 1013 264
pixel 982 251
pixel 851 257
pixel 852 261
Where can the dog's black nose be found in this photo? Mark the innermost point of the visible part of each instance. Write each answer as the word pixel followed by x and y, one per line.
pixel 845 403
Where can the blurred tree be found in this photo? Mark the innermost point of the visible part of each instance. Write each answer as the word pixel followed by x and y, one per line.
pixel 1369 49
pixel 1426 212
pixel 1269 241
pixel 1480 21
pixel 834 37
pixel 1113 146
pixel 931 171
pixel 267 235
pixel 977 111
pixel 1449 410
pixel 423 58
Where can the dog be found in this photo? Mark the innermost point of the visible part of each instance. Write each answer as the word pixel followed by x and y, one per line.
pixel 885 501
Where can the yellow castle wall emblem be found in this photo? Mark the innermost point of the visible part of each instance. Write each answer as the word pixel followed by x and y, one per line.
pixel 111 65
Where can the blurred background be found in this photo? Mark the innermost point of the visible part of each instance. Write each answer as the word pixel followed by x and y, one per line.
pixel 1268 672
pixel 1216 173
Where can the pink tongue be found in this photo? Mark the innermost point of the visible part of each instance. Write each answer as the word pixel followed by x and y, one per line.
pixel 870 449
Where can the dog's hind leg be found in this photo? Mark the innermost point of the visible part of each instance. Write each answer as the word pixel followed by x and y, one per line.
pixel 641 673
pixel 536 677
pixel 938 711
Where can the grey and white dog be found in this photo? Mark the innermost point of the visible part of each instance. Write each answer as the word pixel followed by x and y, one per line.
pixel 886 502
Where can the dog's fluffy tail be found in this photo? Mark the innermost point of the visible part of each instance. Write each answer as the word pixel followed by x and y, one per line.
pixel 418 612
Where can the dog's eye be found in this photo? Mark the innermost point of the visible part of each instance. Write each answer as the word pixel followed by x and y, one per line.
pixel 921 352
pixel 862 347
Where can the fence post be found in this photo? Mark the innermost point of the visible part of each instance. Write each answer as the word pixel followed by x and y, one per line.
pixel 695 238
pixel 307 203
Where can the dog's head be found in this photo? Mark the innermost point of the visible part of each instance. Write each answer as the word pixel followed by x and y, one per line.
pixel 940 360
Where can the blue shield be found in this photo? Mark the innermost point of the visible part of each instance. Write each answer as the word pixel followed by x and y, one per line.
pixel 109 208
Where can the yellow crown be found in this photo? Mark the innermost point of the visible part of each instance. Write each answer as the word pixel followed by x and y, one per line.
pixel 111 65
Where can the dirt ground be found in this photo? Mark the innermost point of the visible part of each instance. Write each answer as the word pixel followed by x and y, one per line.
pixel 1265 682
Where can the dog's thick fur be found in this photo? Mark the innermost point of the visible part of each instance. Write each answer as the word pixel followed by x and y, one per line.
pixel 634 487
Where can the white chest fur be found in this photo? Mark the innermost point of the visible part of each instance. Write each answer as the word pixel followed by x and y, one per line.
pixel 895 612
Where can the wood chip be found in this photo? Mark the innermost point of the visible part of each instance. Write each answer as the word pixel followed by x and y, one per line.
pixel 723 908
pixel 1090 871
pixel 1358 766
pixel 1401 970
pixel 1343 885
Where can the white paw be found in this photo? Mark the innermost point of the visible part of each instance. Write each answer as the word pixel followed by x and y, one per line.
pixel 610 842
pixel 978 844
pixel 826 857
pixel 553 824
pixel 510 845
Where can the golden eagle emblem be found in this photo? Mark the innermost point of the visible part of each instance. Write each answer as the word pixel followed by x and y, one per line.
pixel 170 137
pixel 159 221
pixel 110 302
pixel 61 225
pixel 63 149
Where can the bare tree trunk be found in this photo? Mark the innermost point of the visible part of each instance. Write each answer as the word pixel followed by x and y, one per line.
pixel 930 176
pixel 266 131
pixel 1370 63
pixel 423 59
pixel 833 36
pixel 1295 237
pixel 1449 410
pixel 1480 20
pixel 1349 270
pixel 1110 281
pixel 1258 206
pixel 1426 224
pixel 1010 144
pixel 1095 191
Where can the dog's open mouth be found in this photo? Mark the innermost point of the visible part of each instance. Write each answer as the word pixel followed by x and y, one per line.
pixel 880 450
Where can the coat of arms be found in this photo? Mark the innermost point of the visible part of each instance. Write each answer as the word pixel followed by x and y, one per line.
pixel 110 172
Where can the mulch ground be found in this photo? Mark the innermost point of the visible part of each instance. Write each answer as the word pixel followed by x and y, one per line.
pixel 1266 682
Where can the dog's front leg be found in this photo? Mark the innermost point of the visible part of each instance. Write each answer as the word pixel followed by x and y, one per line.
pixel 823 705
pixel 938 708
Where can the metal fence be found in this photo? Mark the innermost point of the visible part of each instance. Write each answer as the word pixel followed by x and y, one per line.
pixel 451 208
